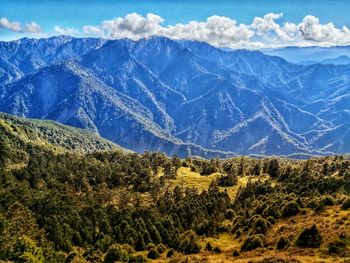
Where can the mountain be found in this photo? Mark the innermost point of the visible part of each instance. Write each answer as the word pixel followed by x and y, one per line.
pixel 338 55
pixel 179 97
pixel 341 60
pixel 49 134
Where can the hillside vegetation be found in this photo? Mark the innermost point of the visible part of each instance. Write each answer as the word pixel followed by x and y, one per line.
pixel 60 205
pixel 23 132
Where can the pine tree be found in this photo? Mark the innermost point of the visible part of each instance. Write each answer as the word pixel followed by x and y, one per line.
pixel 309 238
pixel 273 168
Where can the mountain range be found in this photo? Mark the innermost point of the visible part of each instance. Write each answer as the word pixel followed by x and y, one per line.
pixel 337 55
pixel 180 97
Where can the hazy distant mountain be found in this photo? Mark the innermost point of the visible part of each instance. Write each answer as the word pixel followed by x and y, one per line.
pixel 341 60
pixel 180 97
pixel 338 55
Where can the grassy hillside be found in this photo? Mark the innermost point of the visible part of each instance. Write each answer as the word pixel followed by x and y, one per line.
pixel 58 204
pixel 52 135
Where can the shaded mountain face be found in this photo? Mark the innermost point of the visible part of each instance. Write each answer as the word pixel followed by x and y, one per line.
pixel 180 97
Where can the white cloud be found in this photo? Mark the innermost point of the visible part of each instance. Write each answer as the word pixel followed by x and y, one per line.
pixel 267 31
pixel 94 31
pixel 66 31
pixel 15 26
pixel 132 26
pixel 312 30
pixel 217 30
pixel 32 28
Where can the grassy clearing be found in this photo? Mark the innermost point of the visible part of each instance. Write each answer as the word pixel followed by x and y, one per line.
pixel 187 179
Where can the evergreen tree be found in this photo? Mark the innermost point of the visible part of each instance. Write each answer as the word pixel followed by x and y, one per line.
pixel 309 238
pixel 273 168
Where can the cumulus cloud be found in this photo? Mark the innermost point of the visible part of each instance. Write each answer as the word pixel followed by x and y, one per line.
pixel 217 30
pixel 312 30
pixel 32 28
pixel 66 31
pixel 94 31
pixel 267 31
pixel 15 26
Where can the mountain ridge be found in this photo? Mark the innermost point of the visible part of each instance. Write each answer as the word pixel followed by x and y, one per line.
pixel 178 97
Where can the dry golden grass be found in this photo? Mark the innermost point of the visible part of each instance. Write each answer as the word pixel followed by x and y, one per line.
pixel 331 223
pixel 187 179
pixel 226 242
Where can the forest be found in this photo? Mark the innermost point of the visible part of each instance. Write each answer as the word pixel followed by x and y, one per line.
pixel 59 205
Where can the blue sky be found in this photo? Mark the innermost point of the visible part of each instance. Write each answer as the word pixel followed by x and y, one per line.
pixel 77 14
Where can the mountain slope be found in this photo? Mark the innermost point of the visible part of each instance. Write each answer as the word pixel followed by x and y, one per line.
pixel 52 135
pixel 180 97
pixel 67 93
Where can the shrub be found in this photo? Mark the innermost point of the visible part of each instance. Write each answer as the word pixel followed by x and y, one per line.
pixel 290 209
pixel 328 201
pixel 346 204
pixel 309 237
pixel 189 242
pixel 282 243
pixel 161 248
pixel 235 253
pixel 217 250
pixel 253 242
pixel 153 254
pixel 208 247
pixel 260 225
pixel 337 247
pixel 271 211
pixel 116 253
pixel 170 253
